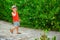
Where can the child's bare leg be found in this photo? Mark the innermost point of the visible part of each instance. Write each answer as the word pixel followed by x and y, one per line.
pixel 17 28
pixel 11 30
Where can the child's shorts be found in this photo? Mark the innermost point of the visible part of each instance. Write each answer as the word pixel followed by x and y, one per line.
pixel 16 24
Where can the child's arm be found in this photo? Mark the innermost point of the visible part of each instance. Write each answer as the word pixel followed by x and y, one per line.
pixel 13 14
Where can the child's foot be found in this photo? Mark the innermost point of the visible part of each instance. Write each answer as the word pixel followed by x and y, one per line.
pixel 11 30
pixel 18 33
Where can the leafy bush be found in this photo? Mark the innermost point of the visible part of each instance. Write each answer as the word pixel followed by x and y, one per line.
pixel 39 14
pixel 44 37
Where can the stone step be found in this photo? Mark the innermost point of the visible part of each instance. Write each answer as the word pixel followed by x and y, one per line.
pixel 23 36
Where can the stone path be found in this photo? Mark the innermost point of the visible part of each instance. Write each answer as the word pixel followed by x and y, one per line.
pixel 27 34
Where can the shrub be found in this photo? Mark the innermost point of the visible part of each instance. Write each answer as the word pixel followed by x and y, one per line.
pixel 45 37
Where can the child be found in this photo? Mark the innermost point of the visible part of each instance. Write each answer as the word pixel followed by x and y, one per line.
pixel 16 20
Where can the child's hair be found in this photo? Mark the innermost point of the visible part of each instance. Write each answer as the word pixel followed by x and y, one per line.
pixel 14 6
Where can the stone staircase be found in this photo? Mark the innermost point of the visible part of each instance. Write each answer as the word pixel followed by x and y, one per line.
pixel 26 33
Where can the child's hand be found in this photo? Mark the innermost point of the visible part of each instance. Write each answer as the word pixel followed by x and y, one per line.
pixel 13 14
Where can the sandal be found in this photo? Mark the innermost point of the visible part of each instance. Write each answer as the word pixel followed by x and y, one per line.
pixel 18 33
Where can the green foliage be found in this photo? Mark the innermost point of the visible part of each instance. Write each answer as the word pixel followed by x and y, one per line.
pixel 54 38
pixel 44 37
pixel 39 14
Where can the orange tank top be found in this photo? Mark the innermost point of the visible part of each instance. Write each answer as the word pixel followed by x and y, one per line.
pixel 16 17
